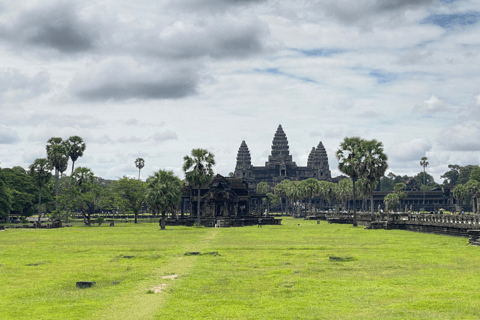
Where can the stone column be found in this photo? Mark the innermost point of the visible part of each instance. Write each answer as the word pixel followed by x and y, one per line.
pixel 225 209
pixel 235 209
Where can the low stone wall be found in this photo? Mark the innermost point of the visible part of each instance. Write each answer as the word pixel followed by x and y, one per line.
pixel 224 221
pixel 460 225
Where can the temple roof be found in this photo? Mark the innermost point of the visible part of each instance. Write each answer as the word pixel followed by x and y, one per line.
pixel 243 156
pixel 280 150
pixel 311 158
pixel 321 155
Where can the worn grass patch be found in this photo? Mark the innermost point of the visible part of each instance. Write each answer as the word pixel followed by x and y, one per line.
pixel 292 271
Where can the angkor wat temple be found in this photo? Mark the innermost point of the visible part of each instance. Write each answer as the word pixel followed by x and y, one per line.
pixel 280 165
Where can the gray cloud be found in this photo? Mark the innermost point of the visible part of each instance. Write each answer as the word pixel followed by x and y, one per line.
pixel 131 139
pixel 164 136
pixel 52 26
pixel 61 120
pixel 462 137
pixel 8 135
pixel 15 84
pixel 353 12
pixel 369 114
pixel 124 79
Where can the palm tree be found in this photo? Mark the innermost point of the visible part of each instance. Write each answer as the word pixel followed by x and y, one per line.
pixel 76 148
pixel 164 192
pixel 461 193
pixel 373 166
pixel 57 154
pixel 139 163
pixel 349 157
pixel 200 165
pixel 263 187
pixel 281 191
pixel 40 170
pixel 312 186
pixel 424 164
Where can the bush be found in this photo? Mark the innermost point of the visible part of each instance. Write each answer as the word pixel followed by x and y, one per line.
pixel 100 220
pixel 23 220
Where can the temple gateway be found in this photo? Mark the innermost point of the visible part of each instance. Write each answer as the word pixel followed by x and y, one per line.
pixel 280 165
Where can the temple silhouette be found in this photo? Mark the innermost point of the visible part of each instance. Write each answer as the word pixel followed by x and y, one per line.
pixel 280 164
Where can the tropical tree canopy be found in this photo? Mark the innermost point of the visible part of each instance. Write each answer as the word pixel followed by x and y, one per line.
pixel 76 148
pixel 5 200
pixel 391 201
pixel 163 192
pixel 198 170
pixel 131 195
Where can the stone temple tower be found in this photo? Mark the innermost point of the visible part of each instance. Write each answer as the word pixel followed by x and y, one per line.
pixel 244 161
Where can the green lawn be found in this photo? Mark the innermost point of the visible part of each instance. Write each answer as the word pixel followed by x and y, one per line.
pixel 299 270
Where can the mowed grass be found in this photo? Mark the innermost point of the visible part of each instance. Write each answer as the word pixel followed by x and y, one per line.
pixel 299 270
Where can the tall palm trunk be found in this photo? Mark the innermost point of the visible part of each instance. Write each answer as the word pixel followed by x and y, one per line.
pixel 39 205
pixel 354 207
pixel 371 202
pixel 56 190
pixel 162 226
pixel 73 166
pixel 198 207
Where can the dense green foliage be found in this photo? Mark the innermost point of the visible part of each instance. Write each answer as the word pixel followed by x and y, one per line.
pixel 131 195
pixel 22 189
pixel 163 192
pixel 305 271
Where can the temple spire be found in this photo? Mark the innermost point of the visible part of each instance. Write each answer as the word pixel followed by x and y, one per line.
pixel 280 149
pixel 243 156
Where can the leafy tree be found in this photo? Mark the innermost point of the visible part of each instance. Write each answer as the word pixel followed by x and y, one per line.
pixel 5 200
pixel 57 154
pixel 164 192
pixel 464 174
pixel 475 174
pixel 85 194
pixel 312 186
pixel 461 193
pixel 198 171
pixel 349 157
pixel 451 176
pixel 139 163
pixel 264 188
pixel 22 189
pixel 391 201
pixel 40 171
pixel 273 198
pixel 76 148
pixel 373 165
pixel 19 169
pixel 131 195
pixel 400 190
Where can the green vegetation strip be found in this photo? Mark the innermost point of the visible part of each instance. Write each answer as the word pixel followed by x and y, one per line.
pixel 297 270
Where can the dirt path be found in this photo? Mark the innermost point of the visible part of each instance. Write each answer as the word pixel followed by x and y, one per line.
pixel 140 305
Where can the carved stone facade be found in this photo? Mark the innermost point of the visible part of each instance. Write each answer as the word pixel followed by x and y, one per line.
pixel 280 164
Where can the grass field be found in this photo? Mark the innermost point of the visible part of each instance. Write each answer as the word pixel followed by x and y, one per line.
pixel 299 270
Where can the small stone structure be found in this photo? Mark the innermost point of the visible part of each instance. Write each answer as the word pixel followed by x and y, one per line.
pixel 226 201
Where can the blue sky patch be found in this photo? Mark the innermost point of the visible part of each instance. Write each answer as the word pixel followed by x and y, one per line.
pixel 449 21
pixel 278 72
pixel 382 76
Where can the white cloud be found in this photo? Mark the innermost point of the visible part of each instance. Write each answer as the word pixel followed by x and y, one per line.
pixel 411 150
pixel 8 135
pixel 432 105
pixel 461 137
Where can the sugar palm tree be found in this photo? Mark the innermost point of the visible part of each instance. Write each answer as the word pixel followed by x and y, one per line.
pixel 349 157
pixel 312 187
pixel 40 171
pixel 76 148
pixel 198 171
pixel 264 188
pixel 373 166
pixel 281 191
pixel 424 164
pixel 57 154
pixel 164 192
pixel 139 163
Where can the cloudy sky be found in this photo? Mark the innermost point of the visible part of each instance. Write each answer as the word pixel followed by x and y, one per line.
pixel 155 79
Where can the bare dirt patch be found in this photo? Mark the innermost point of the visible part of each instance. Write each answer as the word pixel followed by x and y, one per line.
pixel 171 277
